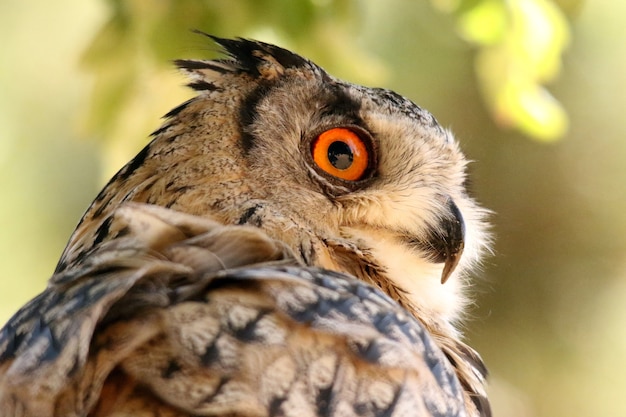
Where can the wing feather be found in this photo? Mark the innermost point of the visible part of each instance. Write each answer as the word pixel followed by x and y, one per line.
pixel 182 316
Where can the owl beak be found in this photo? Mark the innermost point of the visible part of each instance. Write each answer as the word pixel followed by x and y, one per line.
pixel 449 241
pixel 445 241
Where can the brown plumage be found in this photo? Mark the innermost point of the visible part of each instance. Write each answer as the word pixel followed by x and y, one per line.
pixel 226 270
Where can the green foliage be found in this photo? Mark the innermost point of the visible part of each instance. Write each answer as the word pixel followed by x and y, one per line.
pixel 519 45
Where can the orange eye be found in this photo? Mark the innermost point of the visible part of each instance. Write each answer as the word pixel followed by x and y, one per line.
pixel 341 153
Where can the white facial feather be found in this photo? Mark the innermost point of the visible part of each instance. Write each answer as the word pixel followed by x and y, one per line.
pixel 419 170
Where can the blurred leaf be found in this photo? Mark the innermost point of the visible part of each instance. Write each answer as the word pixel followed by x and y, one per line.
pixel 485 24
pixel 519 43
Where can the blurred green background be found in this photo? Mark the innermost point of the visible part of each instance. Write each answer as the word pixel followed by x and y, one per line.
pixel 533 89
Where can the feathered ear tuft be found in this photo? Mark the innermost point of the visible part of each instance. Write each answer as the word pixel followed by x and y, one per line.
pixel 254 58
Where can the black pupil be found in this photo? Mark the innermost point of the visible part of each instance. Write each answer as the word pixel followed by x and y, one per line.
pixel 340 155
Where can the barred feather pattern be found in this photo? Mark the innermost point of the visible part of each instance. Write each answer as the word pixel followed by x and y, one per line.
pixel 187 317
pixel 220 273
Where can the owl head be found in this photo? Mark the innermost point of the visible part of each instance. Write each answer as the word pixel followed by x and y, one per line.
pixel 355 179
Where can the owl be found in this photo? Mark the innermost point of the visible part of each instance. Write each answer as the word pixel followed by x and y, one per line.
pixel 288 244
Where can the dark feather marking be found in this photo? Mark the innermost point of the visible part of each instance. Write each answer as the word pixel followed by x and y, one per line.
pixel 323 401
pixel 248 333
pixel 145 186
pixel 76 365
pixel 54 347
pixel 178 108
pixel 323 307
pixel 61 265
pixel 123 232
pixel 218 390
pixel 103 230
pixel 370 409
pixel 108 269
pixel 275 408
pixel 481 402
pixel 385 322
pixel 101 195
pixel 172 368
pixel 192 64
pixel 472 357
pixel 172 138
pixel 340 102
pixel 39 331
pixel 370 352
pixel 135 163
pixel 242 52
pixel 324 397
pixel 246 53
pixel 392 407
pixel 104 204
pixel 211 353
pixel 13 339
pixel 247 215
pixel 160 130
pixel 304 254
pixel 202 85
pixel 81 255
pixel 221 66
pixel 248 114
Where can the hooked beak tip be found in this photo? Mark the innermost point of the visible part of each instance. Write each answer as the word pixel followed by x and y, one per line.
pixel 453 240
pixel 452 260
pixel 445 241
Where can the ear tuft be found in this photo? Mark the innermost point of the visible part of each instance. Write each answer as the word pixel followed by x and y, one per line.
pixel 254 58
